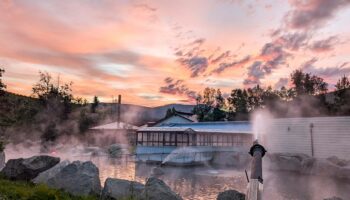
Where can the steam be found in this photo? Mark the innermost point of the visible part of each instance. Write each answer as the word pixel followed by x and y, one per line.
pixel 260 121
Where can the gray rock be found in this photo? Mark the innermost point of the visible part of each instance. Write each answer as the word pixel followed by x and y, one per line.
pixel 2 160
pixel 114 151
pixel 287 161
pixel 337 161
pixel 156 189
pixel 77 178
pixel 29 168
pixel 231 195
pixel 304 164
pixel 157 171
pixel 43 177
pixel 121 189
pixel 333 198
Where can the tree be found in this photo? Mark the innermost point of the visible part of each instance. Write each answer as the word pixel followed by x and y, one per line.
pixel 209 107
pixel 57 98
pixel 85 122
pixel 218 114
pixel 94 104
pixel 2 85
pixel 50 133
pixel 170 112
pixel 343 83
pixel 307 84
pixel 238 104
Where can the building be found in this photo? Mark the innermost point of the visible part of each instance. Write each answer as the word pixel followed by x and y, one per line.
pixel 189 143
pixel 177 117
pixel 320 137
pixel 112 133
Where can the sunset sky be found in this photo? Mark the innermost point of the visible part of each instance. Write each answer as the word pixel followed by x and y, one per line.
pixel 164 51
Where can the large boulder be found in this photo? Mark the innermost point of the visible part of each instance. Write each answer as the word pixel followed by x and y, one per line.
pixel 286 161
pixel 29 168
pixel 337 161
pixel 121 189
pixel 156 189
pixel 230 195
pixel 157 171
pixel 114 151
pixel 44 177
pixel 304 164
pixel 333 198
pixel 77 178
pixel 2 159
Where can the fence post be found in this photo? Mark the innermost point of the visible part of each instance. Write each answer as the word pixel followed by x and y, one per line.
pixel 312 139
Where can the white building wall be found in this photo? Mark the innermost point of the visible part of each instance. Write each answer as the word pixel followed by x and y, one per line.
pixel 331 136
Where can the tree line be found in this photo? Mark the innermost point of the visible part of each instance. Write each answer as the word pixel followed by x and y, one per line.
pixel 50 111
pixel 307 97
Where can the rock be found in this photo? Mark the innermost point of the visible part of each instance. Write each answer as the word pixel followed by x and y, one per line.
pixel 156 189
pixel 157 171
pixel 2 159
pixel 287 161
pixel 304 164
pixel 43 177
pixel 77 178
pixel 29 168
pixel 333 198
pixel 340 162
pixel 121 189
pixel 114 151
pixel 231 195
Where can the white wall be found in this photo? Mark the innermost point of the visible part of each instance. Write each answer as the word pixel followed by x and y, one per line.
pixel 331 136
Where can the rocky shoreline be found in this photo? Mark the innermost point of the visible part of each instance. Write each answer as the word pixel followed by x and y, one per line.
pixel 304 164
pixel 82 178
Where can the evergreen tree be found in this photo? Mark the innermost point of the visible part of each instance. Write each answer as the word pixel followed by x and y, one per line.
pixel 170 112
pixel 343 83
pixel 2 85
pixel 94 104
pixel 307 84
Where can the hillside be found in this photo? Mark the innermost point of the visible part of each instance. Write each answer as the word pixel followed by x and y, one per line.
pixel 139 115
pixel 17 108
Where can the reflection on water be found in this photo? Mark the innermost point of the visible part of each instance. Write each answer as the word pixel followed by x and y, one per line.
pixel 195 183
pixel 199 183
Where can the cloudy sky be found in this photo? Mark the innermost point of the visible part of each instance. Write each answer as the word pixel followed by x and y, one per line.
pixel 164 51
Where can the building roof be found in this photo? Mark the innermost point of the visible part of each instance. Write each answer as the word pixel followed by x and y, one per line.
pixel 244 127
pixel 164 128
pixel 186 116
pixel 114 126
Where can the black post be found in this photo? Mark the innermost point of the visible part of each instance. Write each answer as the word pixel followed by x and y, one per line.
pixel 257 151
pixel 312 139
pixel 118 112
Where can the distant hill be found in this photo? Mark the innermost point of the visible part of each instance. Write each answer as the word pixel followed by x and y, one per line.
pixel 139 115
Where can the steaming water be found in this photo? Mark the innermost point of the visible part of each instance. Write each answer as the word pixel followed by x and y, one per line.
pixel 204 183
pixel 183 154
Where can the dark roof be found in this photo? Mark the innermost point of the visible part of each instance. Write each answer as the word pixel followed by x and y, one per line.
pixel 175 114
pixel 183 113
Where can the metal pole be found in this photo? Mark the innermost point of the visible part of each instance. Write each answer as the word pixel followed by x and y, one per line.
pixel 312 139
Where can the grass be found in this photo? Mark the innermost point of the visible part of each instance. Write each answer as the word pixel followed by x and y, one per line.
pixel 18 190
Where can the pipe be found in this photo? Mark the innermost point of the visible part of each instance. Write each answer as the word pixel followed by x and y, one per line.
pixel 257 151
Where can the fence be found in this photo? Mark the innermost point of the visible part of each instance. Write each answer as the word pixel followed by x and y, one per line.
pixel 320 137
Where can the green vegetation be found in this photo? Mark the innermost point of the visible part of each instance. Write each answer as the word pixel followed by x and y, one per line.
pixel 94 104
pixel 308 95
pixel 49 113
pixel 16 190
